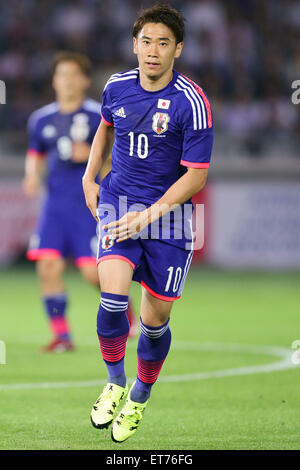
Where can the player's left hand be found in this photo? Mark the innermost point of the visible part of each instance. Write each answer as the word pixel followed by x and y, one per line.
pixel 80 152
pixel 128 226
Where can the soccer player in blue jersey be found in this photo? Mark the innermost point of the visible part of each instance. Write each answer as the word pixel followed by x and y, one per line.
pixel 60 135
pixel 161 126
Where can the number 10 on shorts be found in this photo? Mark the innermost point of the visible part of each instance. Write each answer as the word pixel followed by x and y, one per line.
pixel 173 280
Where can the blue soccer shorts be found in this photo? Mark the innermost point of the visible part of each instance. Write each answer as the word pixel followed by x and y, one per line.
pixel 160 267
pixel 64 230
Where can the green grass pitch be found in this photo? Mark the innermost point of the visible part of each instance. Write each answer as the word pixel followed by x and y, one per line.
pixel 219 313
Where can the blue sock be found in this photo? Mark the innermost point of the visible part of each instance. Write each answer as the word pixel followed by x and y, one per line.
pixel 153 347
pixel 55 306
pixel 116 372
pixel 113 329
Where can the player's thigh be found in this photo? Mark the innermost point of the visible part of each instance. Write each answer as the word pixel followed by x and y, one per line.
pixel 115 276
pixel 154 311
pixel 50 268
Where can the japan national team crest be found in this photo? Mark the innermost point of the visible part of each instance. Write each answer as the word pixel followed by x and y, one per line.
pixel 160 122
pixel 107 242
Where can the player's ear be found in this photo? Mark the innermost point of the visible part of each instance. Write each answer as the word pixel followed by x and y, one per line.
pixel 134 45
pixel 179 47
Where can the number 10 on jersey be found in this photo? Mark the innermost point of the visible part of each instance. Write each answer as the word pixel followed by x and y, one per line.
pixel 142 145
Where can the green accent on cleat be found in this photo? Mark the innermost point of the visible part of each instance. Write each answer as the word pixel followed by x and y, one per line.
pixel 128 420
pixel 105 407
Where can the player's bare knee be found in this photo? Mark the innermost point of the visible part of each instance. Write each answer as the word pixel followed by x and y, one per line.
pixel 115 276
pixel 154 318
pixel 48 269
pixel 154 312
pixel 108 285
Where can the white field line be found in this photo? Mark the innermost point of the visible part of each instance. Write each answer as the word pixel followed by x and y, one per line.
pixel 283 353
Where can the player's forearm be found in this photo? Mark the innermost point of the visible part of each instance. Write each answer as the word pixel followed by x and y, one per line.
pixel 181 191
pixel 34 167
pixel 80 152
pixel 100 150
pixel 106 167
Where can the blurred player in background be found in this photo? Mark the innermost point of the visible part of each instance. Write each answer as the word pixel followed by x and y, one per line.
pixel 60 137
pixel 160 125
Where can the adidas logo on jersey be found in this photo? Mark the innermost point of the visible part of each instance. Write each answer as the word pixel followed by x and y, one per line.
pixel 121 113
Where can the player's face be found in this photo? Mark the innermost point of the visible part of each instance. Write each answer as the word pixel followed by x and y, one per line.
pixel 69 81
pixel 156 50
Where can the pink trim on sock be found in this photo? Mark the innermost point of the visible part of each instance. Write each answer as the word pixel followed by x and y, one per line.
pixel 85 261
pixel 159 296
pixel 148 371
pixel 103 258
pixel 113 349
pixel 59 326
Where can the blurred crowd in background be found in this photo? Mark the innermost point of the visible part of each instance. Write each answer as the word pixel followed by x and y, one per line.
pixel 244 54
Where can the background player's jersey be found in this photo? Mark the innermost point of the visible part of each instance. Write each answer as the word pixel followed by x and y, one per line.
pixel 157 134
pixel 51 134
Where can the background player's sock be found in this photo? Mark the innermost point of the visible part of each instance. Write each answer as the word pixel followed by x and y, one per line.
pixel 113 329
pixel 153 347
pixel 55 306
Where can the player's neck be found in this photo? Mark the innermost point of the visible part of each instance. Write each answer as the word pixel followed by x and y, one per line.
pixel 69 105
pixel 151 84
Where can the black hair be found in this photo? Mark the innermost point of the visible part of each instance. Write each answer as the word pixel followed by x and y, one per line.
pixel 162 13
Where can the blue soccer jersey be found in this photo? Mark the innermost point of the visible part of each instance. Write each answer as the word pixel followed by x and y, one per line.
pixel 66 226
pixel 157 136
pixel 51 135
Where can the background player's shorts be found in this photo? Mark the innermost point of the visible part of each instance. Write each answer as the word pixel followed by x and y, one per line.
pixel 64 230
pixel 159 267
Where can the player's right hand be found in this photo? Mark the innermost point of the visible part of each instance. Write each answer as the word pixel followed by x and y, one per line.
pixel 31 185
pixel 91 193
